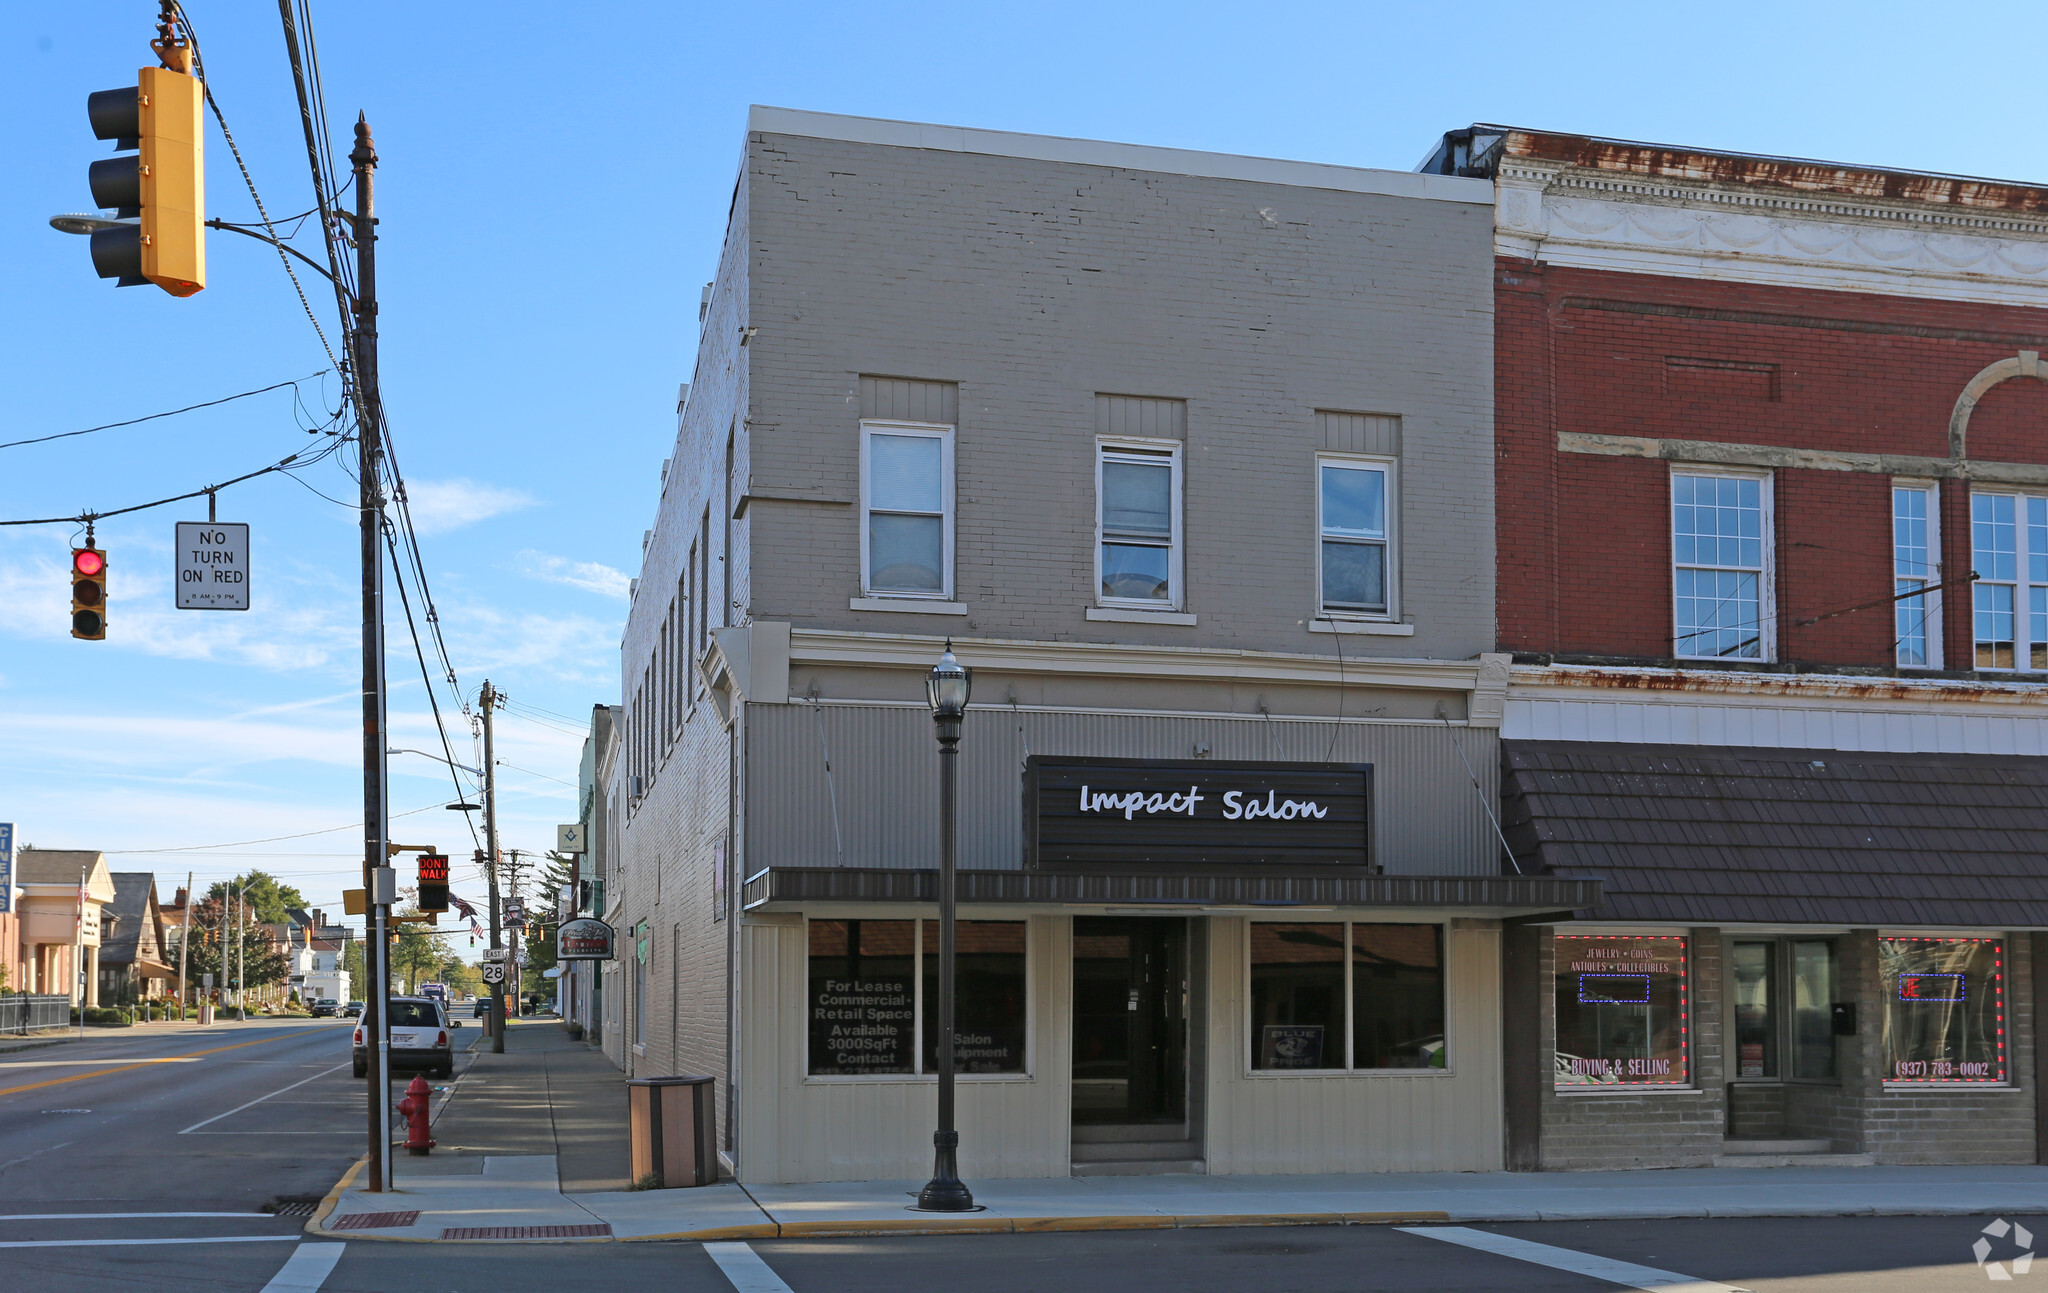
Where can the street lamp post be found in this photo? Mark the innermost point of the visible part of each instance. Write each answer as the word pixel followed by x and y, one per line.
pixel 947 689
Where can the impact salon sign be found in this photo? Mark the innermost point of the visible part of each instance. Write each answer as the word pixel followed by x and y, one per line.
pixel 1083 814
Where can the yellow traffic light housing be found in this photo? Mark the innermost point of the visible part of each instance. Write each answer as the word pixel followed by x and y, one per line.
pixel 164 186
pixel 89 593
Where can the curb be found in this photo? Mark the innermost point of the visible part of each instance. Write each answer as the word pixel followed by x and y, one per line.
pixel 326 1207
pixel 976 1226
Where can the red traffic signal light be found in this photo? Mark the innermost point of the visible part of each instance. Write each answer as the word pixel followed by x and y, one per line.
pixel 89 593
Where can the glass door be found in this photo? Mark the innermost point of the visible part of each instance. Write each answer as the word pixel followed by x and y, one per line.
pixel 1130 1020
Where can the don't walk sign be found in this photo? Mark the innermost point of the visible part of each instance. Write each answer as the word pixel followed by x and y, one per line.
pixel 213 566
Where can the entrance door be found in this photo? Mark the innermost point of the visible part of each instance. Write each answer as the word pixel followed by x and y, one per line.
pixel 1130 1019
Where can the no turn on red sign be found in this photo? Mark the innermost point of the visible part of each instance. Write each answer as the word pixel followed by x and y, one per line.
pixel 213 566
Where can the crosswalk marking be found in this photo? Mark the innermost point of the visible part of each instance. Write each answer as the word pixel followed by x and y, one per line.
pixel 306 1270
pixel 745 1269
pixel 115 1243
pixel 1626 1274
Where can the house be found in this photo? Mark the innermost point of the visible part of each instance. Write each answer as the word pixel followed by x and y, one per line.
pixel 135 963
pixel 58 897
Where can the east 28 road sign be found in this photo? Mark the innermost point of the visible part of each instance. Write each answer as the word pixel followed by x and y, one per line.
pixel 494 972
pixel 213 566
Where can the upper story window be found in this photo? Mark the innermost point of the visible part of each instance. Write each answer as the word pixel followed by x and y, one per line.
pixel 1355 562
pixel 1916 565
pixel 2009 551
pixel 1721 571
pixel 1137 519
pixel 906 489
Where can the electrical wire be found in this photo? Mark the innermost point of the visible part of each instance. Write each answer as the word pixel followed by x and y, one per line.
pixel 168 413
pixel 272 839
pixel 87 518
pixel 439 728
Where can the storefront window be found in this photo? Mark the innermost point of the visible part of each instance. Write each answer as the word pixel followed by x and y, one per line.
pixel 862 996
pixel 1813 997
pixel 988 996
pixel 1397 996
pixel 1756 1033
pixel 1622 1011
pixel 1342 996
pixel 1298 996
pixel 1944 1018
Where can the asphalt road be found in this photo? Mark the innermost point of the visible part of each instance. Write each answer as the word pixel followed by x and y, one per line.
pixel 161 1122
pixel 145 1160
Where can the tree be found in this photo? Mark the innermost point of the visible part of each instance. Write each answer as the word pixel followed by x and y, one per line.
pixel 358 975
pixel 418 951
pixel 268 899
pixel 461 977
pixel 211 939
pixel 540 937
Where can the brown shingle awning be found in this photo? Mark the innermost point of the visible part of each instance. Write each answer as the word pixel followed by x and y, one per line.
pixel 1717 834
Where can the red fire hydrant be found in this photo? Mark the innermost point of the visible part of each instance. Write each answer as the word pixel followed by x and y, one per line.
pixel 418 1095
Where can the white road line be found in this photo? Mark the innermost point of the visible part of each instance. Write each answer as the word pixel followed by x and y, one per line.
pixel 1626 1274
pixel 95 1216
pixel 261 1098
pixel 51 1149
pixel 112 1243
pixel 306 1269
pixel 744 1267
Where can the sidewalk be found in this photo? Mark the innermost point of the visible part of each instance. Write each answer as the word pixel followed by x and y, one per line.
pixel 533 1146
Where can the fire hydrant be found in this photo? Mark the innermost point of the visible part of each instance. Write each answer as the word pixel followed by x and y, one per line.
pixel 418 1096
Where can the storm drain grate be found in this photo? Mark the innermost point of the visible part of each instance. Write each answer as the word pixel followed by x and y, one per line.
pixel 296 1208
pixel 373 1221
pixel 602 1230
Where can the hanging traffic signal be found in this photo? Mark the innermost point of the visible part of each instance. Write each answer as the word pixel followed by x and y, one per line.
pixel 162 187
pixel 89 593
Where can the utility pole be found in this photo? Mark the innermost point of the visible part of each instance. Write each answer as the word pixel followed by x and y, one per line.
pixel 488 701
pixel 184 937
pixel 377 875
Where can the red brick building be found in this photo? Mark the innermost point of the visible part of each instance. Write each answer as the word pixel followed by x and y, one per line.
pixel 1772 484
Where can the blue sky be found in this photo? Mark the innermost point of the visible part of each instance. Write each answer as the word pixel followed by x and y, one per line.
pixel 553 190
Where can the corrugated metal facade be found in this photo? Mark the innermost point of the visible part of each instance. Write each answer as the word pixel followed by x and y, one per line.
pixel 1430 820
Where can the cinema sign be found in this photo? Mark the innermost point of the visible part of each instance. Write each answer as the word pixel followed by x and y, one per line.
pixel 1204 815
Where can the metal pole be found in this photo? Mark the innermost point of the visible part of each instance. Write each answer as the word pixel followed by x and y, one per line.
pixel 78 954
pixel 489 702
pixel 945 1192
pixel 184 937
pixel 370 501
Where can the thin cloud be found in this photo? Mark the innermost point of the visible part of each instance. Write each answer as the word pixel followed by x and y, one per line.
pixel 439 506
pixel 590 576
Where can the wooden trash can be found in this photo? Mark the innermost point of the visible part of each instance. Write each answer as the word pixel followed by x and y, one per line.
pixel 674 1131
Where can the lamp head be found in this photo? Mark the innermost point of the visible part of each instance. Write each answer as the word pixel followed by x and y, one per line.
pixel 948 685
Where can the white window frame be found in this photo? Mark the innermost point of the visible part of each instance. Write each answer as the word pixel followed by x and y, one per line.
pixel 1931 581
pixel 1389 469
pixel 917 1073
pixel 944 435
pixel 2022 617
pixel 1346 1069
pixel 1767 575
pixel 1151 450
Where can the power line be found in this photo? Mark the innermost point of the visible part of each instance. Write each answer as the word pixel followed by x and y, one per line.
pixel 170 413
pixel 284 465
pixel 271 839
pixel 439 729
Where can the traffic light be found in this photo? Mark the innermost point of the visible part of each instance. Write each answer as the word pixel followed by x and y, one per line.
pixel 89 593
pixel 163 186
pixel 433 882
